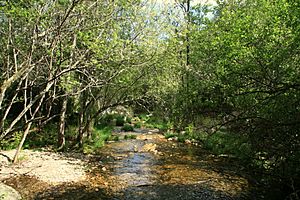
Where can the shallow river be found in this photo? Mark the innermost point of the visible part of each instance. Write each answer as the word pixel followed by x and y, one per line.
pixel 151 167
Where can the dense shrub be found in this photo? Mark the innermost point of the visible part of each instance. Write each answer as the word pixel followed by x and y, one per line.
pixel 127 127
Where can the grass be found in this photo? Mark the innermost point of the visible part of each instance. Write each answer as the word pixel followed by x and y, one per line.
pixel 153 122
pixel 179 137
pixel 228 143
pixel 12 142
pixel 113 119
pixel 99 137
pixel 127 127
pixel 114 138
pixel 187 135
pixel 120 120
pixel 170 135
pixel 138 125
pixel 126 137
pixel 219 143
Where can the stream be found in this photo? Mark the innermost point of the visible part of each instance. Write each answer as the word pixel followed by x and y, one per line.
pixel 148 167
pixel 151 167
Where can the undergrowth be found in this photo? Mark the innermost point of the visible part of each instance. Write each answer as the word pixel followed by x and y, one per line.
pixel 219 143
pixel 99 137
pixel 230 144
pixel 130 137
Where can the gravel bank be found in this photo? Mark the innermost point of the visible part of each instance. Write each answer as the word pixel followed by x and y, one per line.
pixel 49 167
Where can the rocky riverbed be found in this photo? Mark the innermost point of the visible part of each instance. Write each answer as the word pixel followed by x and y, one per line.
pixel 148 167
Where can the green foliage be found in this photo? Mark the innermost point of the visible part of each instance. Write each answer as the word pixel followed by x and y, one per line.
pixel 42 138
pixel 71 132
pixel 138 125
pixel 151 121
pixel 182 138
pixel 169 135
pixel 220 143
pixel 159 125
pixel 200 136
pixel 114 138
pixel 113 119
pixel 106 120
pixel 127 127
pixel 189 130
pixel 244 73
pixel 230 144
pixel 99 137
pixel 12 142
pixel 120 120
pixel 126 137
pixel 128 120
pixel 191 133
pixel 144 118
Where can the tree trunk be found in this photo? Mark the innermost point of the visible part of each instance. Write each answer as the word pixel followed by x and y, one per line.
pixel 88 127
pixel 80 129
pixel 188 15
pixel 22 142
pixel 61 134
pixel 29 106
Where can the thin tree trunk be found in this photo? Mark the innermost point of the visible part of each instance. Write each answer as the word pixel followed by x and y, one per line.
pixel 18 118
pixel 88 127
pixel 81 120
pixel 30 123
pixel 7 83
pixel 22 142
pixel 9 107
pixel 61 133
pixel 188 15
pixel 83 106
pixel 80 130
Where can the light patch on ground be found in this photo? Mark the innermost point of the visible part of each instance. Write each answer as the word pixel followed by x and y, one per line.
pixel 53 168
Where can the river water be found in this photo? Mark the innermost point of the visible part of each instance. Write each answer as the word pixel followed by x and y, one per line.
pixel 151 167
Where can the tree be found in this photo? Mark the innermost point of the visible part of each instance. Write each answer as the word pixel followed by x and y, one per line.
pixel 43 25
pixel 246 66
pixel 95 54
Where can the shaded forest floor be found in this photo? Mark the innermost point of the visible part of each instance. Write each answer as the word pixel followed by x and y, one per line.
pixel 148 167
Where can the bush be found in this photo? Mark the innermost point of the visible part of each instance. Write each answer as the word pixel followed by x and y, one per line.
pixel 128 120
pixel 182 138
pixel 12 142
pixel 130 137
pixel 127 127
pixel 114 138
pixel 144 117
pixel 229 143
pixel 71 132
pixel 47 136
pixel 163 127
pixel 99 137
pixel 169 135
pixel 149 126
pixel 138 125
pixel 105 120
pixel 120 120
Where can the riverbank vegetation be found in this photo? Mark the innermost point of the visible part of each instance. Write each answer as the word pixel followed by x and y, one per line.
pixel 225 74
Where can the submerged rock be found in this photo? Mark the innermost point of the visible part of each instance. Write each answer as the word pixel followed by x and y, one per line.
pixel 149 148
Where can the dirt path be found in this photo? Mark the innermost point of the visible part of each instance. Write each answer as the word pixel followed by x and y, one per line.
pixel 148 167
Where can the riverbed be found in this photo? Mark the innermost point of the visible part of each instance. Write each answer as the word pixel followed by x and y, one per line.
pixel 148 167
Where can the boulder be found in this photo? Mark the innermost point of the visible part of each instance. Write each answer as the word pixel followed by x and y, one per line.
pixel 8 193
